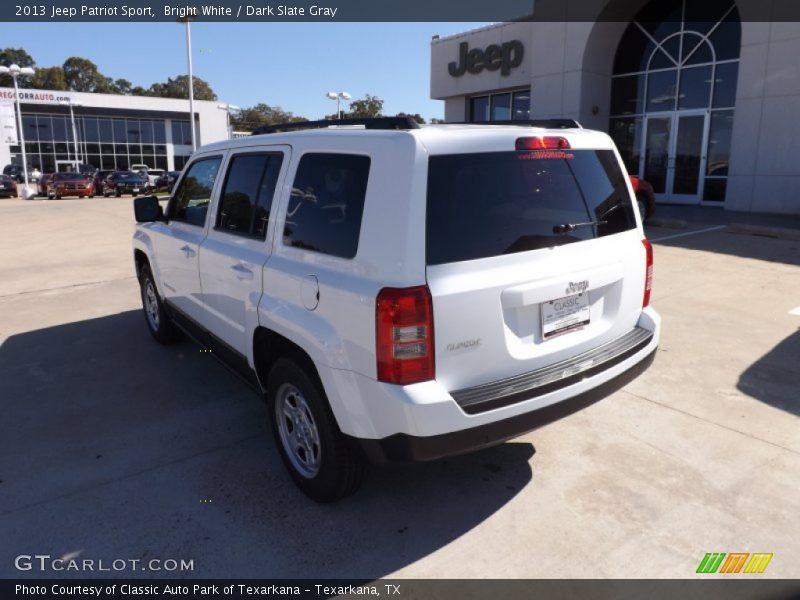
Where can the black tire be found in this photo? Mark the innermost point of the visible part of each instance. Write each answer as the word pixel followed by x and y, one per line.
pixel 340 466
pixel 105 194
pixel 119 194
pixel 158 321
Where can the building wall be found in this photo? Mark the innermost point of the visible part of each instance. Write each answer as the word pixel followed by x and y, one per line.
pixel 211 121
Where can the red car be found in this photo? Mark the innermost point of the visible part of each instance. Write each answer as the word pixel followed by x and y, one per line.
pixel 8 187
pixel 645 198
pixel 70 184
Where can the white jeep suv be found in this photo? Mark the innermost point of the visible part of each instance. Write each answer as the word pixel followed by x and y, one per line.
pixel 400 292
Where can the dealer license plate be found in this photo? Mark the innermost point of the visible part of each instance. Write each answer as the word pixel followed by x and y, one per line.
pixel 563 315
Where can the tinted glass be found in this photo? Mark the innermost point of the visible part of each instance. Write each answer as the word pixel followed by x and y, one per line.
pixel 719 142
pixel 633 51
pixel 479 109
pixel 727 37
pixel 627 135
pixel 627 95
pixel 715 189
pixel 695 88
pixel 489 204
pixel 247 194
pixel 501 107
pixel 191 199
pixel 326 204
pixel 521 107
pixel 725 78
pixel 661 88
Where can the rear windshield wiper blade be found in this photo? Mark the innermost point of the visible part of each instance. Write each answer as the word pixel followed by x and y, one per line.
pixel 570 227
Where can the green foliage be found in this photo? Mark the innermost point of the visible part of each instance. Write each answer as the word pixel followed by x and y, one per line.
pixel 261 114
pixel 179 88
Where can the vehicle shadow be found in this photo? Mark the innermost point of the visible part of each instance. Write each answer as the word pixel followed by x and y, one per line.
pixel 724 241
pixel 117 447
pixel 773 378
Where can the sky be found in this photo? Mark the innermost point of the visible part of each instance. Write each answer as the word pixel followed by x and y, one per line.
pixel 291 65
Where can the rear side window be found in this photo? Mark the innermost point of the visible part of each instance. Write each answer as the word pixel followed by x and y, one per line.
pixel 326 204
pixel 190 201
pixel 489 204
pixel 247 194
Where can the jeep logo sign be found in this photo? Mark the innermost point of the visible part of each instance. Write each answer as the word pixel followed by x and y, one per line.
pixel 494 57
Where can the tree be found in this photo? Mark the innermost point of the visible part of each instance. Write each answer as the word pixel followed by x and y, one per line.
pixel 366 107
pixel 248 119
pixel 121 86
pixel 49 78
pixel 435 121
pixel 179 88
pixel 81 75
pixel 10 56
pixel 416 116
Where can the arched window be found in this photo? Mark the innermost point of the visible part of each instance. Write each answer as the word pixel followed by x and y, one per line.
pixel 672 96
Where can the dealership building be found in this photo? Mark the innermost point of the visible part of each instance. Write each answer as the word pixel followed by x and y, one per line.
pixel 112 131
pixel 706 107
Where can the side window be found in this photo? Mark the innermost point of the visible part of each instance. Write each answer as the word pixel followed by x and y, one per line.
pixel 326 203
pixel 247 194
pixel 190 201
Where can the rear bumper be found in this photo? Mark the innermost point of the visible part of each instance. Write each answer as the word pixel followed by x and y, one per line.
pixel 401 447
pixel 425 421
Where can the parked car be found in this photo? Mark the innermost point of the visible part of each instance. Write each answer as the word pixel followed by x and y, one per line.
pixel 99 179
pixel 422 292
pixel 167 180
pixel 44 183
pixel 8 187
pixel 645 198
pixel 153 175
pixel 125 182
pixel 69 184
pixel 16 172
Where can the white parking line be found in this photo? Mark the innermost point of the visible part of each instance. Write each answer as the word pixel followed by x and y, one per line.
pixel 795 312
pixel 685 233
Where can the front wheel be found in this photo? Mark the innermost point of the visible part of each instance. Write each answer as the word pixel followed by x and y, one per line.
pixel 158 321
pixel 322 461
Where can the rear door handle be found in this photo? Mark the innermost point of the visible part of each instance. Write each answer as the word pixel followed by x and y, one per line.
pixel 188 251
pixel 242 272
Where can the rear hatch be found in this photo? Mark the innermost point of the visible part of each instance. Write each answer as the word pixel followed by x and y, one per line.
pixel 518 277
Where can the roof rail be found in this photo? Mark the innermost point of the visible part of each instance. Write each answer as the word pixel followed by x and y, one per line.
pixel 371 123
pixel 545 123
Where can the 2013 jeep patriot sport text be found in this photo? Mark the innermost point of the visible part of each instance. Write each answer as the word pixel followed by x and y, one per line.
pixel 402 293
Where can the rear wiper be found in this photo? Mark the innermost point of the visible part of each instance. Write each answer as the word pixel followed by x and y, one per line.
pixel 570 227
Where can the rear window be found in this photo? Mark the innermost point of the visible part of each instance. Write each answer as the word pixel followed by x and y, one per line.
pixel 489 204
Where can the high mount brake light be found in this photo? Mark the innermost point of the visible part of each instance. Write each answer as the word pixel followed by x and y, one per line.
pixel 542 143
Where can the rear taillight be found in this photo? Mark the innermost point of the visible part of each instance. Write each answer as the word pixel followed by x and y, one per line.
pixel 648 274
pixel 404 335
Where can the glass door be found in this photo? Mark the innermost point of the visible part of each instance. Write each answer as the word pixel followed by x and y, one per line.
pixel 674 159
pixel 687 160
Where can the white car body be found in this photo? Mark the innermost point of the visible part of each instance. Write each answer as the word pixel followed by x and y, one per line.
pixel 487 326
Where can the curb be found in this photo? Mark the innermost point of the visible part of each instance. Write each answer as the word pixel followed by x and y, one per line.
pixel 782 233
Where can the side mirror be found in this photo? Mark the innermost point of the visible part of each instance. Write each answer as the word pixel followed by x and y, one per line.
pixel 147 209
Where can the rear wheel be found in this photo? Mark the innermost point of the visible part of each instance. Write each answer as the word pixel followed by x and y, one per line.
pixel 158 321
pixel 322 461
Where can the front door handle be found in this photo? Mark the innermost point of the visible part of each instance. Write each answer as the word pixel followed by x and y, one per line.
pixel 188 251
pixel 242 272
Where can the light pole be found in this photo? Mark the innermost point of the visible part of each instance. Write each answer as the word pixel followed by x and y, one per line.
pixel 188 24
pixel 15 71
pixel 71 104
pixel 338 96
pixel 228 108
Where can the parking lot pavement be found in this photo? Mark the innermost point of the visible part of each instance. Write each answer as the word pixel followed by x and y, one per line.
pixel 113 447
